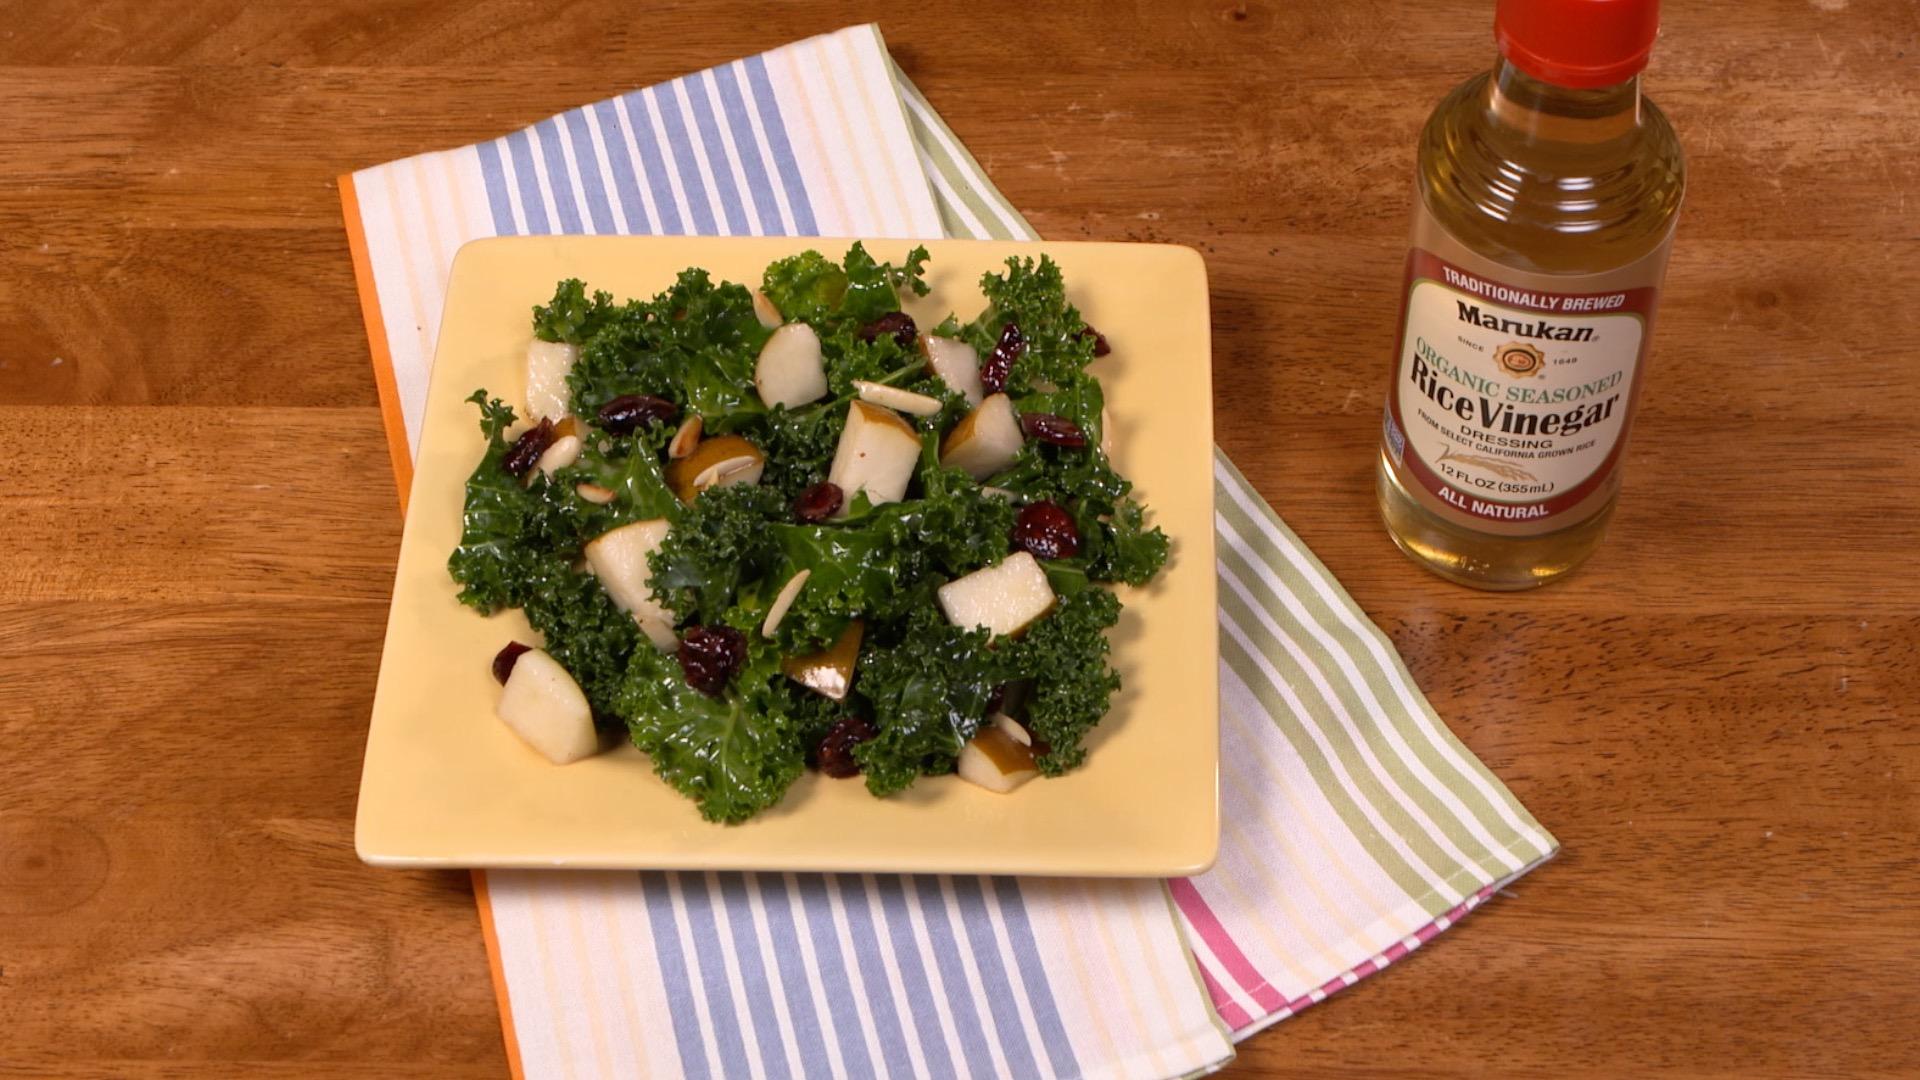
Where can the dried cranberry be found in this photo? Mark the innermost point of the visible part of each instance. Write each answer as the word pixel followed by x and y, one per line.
pixel 709 655
pixel 897 323
pixel 1046 531
pixel 818 503
pixel 1053 430
pixel 1100 346
pixel 526 450
pixel 999 363
pixel 834 755
pixel 504 660
pixel 630 412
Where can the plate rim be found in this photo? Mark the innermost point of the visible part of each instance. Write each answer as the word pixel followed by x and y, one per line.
pixel 1196 856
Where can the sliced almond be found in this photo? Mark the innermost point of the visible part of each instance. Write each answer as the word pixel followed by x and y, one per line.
pixel 788 594
pixel 892 397
pixel 564 451
pixel 594 493
pixel 764 310
pixel 567 426
pixel 1014 729
pixel 688 476
pixel 1106 432
pixel 733 470
pixel 685 439
pixel 999 493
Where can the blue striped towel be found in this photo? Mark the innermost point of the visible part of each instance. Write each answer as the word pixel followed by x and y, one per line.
pixel 1355 826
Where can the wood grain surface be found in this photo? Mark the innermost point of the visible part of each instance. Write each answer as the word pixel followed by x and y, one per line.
pixel 1719 717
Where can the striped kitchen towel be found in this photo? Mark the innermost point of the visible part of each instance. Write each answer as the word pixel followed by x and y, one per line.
pixel 1355 826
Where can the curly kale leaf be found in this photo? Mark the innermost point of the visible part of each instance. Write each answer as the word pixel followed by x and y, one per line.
pixel 807 287
pixel 1065 657
pixel 628 466
pixel 928 690
pixel 1116 542
pixel 587 632
pixel 572 316
pixel 881 563
pixel 1120 546
pixel 799 445
pixel 512 526
pixel 958 524
pixel 694 345
pixel 718 544
pixel 838 301
pixel 734 755
pixel 851 573
pixel 873 288
pixel 1050 376
pixel 1034 297
pixel 811 288
pixel 506 526
pixel 518 543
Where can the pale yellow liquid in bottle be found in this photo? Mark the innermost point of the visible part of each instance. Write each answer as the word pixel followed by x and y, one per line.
pixel 1544 180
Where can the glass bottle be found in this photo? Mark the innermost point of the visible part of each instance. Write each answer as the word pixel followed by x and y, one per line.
pixel 1547 193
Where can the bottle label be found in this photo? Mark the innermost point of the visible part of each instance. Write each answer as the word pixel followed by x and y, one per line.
pixel 1510 404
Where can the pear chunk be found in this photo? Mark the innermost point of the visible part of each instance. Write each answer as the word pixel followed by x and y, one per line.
pixel 1003 598
pixel 789 371
pixel 716 462
pixel 546 708
pixel 829 672
pixel 548 364
pixel 986 440
pixel 877 453
pixel 619 559
pixel 996 760
pixel 957 364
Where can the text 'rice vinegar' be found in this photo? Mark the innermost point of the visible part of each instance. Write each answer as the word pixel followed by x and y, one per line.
pixel 1548 190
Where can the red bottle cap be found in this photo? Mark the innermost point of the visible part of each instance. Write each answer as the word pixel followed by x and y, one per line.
pixel 1580 44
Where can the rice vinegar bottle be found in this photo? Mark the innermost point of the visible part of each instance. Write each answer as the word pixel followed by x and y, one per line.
pixel 1547 193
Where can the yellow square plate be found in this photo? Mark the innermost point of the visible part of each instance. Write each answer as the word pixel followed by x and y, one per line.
pixel 446 784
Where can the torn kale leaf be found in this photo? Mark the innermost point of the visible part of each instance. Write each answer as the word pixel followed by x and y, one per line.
pixel 734 755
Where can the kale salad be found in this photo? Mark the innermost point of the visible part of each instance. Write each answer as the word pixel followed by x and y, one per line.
pixel 766 528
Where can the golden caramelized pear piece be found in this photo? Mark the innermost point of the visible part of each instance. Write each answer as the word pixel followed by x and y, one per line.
pixel 829 672
pixel 690 475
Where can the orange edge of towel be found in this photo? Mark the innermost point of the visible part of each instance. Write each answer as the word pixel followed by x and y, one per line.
pixel 484 901
pixel 383 379
pixel 396 428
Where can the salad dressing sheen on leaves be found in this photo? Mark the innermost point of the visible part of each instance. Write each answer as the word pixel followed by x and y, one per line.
pixel 859 669
pixel 1546 200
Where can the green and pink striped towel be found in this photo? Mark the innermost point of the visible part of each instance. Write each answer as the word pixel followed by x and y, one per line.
pixel 1355 826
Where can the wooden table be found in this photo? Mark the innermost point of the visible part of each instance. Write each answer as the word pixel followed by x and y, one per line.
pixel 1720 717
